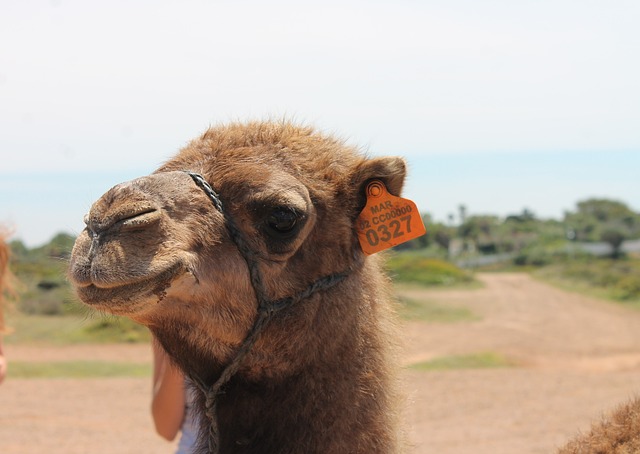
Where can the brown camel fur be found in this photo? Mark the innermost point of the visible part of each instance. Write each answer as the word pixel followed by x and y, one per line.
pixel 319 377
pixel 619 433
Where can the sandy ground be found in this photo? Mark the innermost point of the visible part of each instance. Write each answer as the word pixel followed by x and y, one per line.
pixel 577 358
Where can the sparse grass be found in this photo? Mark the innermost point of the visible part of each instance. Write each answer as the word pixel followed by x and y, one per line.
pixel 110 329
pixel 430 311
pixel 483 360
pixel 77 369
pixel 72 329
pixel 617 280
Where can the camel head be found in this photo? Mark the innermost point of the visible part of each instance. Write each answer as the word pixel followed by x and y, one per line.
pixel 157 250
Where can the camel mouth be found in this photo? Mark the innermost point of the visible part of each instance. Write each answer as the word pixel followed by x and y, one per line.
pixel 129 298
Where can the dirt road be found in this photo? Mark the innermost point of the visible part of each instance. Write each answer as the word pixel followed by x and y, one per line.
pixel 576 358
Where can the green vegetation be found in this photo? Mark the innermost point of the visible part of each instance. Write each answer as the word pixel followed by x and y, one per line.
pixel 610 221
pixel 412 268
pixel 594 220
pixel 584 251
pixel 483 360
pixel 78 369
pixel 618 280
pixel 41 272
pixel 429 311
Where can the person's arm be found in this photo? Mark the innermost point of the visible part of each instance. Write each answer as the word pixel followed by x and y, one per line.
pixel 3 361
pixel 167 405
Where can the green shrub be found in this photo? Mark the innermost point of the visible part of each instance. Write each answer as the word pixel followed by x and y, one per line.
pixel 628 288
pixel 426 271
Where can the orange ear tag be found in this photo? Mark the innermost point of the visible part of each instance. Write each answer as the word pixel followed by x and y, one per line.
pixel 387 220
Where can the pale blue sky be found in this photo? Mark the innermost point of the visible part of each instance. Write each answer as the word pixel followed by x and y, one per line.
pixel 547 183
pixel 499 105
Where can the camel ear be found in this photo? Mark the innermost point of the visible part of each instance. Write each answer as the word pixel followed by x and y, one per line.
pixel 391 170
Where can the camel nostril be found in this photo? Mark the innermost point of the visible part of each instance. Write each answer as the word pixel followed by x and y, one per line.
pixel 139 220
pixel 123 218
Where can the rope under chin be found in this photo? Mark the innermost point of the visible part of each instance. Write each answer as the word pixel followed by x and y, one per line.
pixel 266 310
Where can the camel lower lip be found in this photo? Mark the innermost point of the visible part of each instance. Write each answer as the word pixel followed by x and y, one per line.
pixel 126 297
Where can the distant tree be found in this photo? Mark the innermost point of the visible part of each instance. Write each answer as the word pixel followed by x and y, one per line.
pixel 59 247
pixel 441 234
pixel 525 216
pixel 605 210
pixel 614 236
pixel 480 232
pixel 443 239
pixel 18 248
pixel 595 216
pixel 468 230
pixel 462 209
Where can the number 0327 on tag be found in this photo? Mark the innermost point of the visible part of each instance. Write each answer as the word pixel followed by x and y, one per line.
pixel 387 220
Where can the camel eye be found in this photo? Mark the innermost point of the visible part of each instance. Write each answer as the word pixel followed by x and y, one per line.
pixel 282 222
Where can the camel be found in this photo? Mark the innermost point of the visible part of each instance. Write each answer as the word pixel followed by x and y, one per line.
pixel 240 254
pixel 618 433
